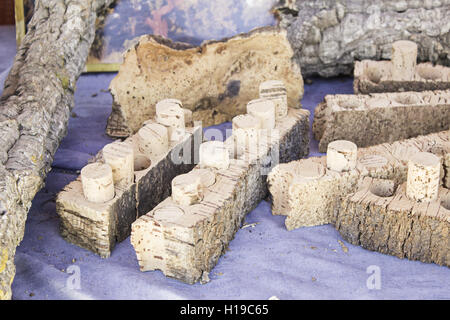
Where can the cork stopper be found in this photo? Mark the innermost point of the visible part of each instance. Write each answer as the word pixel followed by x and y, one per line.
pixel 97 182
pixel 422 182
pixel 153 140
pixel 246 132
pixel 207 177
pixel 214 154
pixel 120 157
pixel 341 155
pixel 404 59
pixel 186 189
pixel 275 90
pixel 264 110
pixel 170 114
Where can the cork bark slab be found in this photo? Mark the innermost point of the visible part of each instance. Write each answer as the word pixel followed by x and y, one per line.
pixel 184 242
pixel 393 224
pixel 382 117
pixel 98 227
pixel 309 200
pixel 157 68
pixel 375 76
pixel 34 111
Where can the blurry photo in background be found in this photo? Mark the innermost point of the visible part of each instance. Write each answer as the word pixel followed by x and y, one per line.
pixel 189 21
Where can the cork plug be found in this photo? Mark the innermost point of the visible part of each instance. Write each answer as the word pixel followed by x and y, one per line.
pixel 97 182
pixel 275 91
pixel 246 131
pixel 264 110
pixel 422 182
pixel 153 140
pixel 341 155
pixel 214 154
pixel 186 189
pixel 120 157
pixel 404 59
pixel 170 114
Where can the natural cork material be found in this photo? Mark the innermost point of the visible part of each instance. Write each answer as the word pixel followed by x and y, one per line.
pixel 309 194
pixel 186 241
pixel 215 81
pixel 394 224
pixel 99 226
pixel 377 118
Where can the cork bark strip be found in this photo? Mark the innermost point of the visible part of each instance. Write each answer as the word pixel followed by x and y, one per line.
pixel 34 111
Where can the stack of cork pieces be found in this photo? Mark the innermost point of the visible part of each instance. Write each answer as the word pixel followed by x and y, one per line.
pixel 393 100
pixel 322 190
pixel 127 179
pixel 185 235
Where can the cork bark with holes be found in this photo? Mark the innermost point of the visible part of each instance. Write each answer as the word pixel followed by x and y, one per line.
pixel 396 225
pixel 378 118
pixel 98 227
pixel 309 202
pixel 34 110
pixel 187 245
pixel 375 77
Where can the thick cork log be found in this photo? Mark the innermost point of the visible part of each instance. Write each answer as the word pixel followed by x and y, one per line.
pixel 264 110
pixel 97 181
pixel 275 90
pixel 120 157
pixel 169 113
pixel 308 202
pixel 152 139
pixel 380 218
pixel 185 242
pixel 404 59
pixel 376 77
pixel 422 183
pixel 380 117
pixel 341 155
pixel 214 154
pixel 187 189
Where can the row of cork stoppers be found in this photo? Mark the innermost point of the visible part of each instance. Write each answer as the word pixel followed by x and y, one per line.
pixel 187 189
pixel 248 129
pixel 123 159
pixel 423 177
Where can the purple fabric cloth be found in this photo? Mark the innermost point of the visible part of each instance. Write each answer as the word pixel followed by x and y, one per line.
pixel 263 261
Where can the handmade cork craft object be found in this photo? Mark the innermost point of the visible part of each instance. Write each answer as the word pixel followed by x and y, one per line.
pixel 127 180
pixel 309 192
pixel 185 235
pixel 380 117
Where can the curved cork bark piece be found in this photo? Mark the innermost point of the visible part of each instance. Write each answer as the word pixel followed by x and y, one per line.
pixel 185 242
pixel 34 110
pixel 376 77
pixel 234 68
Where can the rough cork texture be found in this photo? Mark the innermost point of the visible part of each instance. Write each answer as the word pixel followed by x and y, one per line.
pixel 376 76
pixel 393 224
pixel 383 117
pixel 99 226
pixel 233 67
pixel 310 199
pixel 185 242
pixel 328 36
pixel 34 110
